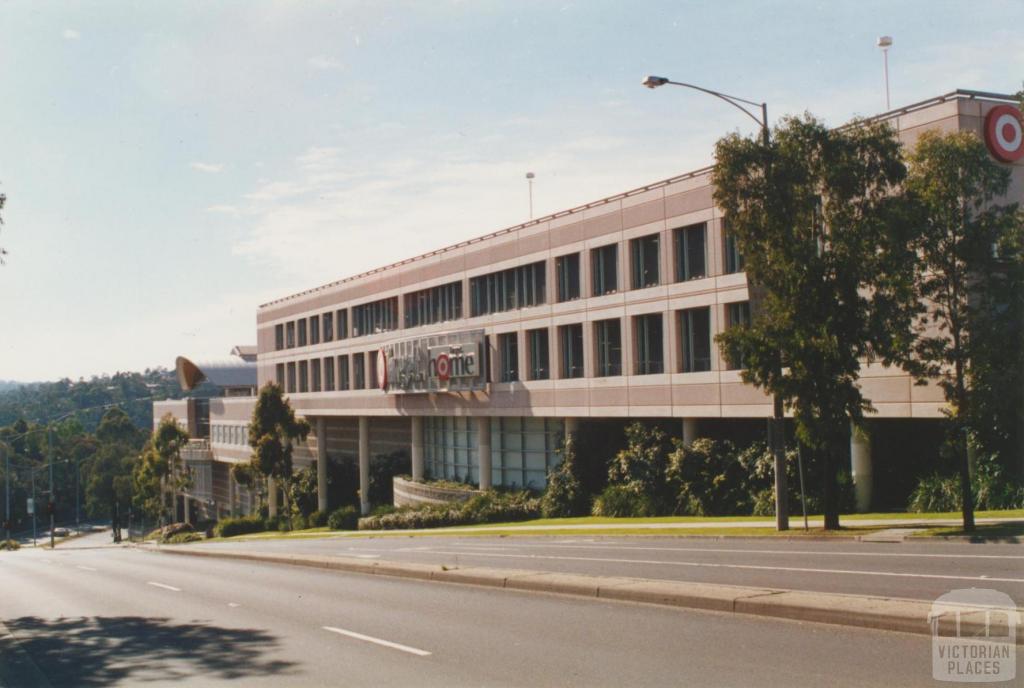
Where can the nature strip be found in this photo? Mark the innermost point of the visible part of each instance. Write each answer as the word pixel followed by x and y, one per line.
pixel 879 613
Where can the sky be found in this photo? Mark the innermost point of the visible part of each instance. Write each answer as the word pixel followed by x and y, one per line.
pixel 171 166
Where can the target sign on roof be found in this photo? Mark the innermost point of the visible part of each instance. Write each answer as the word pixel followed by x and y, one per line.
pixel 1004 134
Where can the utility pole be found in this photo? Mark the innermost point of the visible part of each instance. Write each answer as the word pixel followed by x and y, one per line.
pixel 7 490
pixel 529 181
pixel 51 505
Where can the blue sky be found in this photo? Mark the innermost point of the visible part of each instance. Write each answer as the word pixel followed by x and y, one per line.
pixel 170 166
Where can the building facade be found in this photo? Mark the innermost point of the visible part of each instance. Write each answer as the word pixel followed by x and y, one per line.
pixel 477 357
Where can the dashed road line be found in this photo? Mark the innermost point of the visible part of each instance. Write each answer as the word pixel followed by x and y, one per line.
pixel 162 585
pixel 85 568
pixel 378 641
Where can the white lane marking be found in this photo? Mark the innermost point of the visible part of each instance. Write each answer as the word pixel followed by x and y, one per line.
pixel 751 567
pixel 628 548
pixel 85 568
pixel 367 556
pixel 378 641
pixel 161 585
pixel 233 604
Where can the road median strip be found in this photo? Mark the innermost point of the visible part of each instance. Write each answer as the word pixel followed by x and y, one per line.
pixel 879 613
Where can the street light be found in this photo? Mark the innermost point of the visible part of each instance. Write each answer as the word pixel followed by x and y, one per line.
pixel 885 42
pixel 776 428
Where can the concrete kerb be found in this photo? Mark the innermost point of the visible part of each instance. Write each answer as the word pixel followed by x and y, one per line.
pixel 17 665
pixel 879 613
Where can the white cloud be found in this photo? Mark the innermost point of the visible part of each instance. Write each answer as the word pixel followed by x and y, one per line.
pixel 211 167
pixel 71 34
pixel 224 209
pixel 325 63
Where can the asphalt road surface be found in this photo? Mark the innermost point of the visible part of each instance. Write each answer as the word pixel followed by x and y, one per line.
pixel 120 616
pixel 910 570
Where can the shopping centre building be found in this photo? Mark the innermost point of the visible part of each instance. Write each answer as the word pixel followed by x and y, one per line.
pixel 477 357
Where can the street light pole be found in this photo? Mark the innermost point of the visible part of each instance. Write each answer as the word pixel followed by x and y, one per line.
pixel 51 505
pixel 777 427
pixel 7 490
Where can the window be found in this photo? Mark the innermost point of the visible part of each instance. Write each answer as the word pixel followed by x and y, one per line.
pixel 290 332
pixel 644 255
pixel 343 373
pixel 303 376
pixel 608 334
pixel 302 332
pixel 508 355
pixel 567 271
pixel 279 370
pixel 342 324
pixel 539 360
pixel 314 371
pixel 278 337
pixel 373 382
pixel 604 263
pixel 314 330
pixel 570 342
pixel 375 317
pixel 358 371
pixel 691 256
pixel 649 344
pixel 695 336
pixel 291 377
pixel 434 305
pixel 508 289
pixel 736 315
pixel 329 374
pixel 733 257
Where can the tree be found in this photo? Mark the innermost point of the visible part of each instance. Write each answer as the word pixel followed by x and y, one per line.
pixel 272 431
pixel 817 215
pixel 164 462
pixel 969 246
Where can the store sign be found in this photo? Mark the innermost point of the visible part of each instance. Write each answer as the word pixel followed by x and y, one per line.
pixel 1004 134
pixel 448 362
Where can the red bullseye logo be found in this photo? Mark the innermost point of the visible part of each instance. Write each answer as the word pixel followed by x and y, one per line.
pixel 1004 134
pixel 382 370
pixel 444 367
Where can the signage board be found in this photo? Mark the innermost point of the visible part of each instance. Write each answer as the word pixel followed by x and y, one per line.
pixel 1004 134
pixel 30 507
pixel 444 362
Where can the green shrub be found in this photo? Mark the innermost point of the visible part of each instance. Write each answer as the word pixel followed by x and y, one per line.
pixel 383 469
pixel 10 545
pixel 565 495
pixel 383 510
pixel 302 491
pixel 298 522
pixel 345 518
pixel 490 507
pixel 182 538
pixel 623 501
pixel 317 519
pixel 935 493
pixel 990 488
pixel 230 527
pixel 643 463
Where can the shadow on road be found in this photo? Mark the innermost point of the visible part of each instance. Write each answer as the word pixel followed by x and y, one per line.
pixel 102 650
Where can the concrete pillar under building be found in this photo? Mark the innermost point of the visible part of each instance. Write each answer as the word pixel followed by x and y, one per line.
pixel 860 463
pixel 231 494
pixel 364 465
pixel 271 497
pixel 417 448
pixel 689 431
pixel 483 430
pixel 571 425
pixel 188 519
pixel 321 464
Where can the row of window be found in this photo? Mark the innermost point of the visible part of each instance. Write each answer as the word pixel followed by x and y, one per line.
pixel 359 370
pixel 514 288
pixel 229 434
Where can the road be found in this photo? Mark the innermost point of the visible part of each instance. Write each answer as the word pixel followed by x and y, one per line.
pixel 913 570
pixel 120 616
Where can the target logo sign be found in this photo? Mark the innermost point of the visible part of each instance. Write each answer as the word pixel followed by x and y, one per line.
pixel 443 367
pixel 1004 134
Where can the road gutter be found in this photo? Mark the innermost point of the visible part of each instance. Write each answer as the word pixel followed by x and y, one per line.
pixel 862 611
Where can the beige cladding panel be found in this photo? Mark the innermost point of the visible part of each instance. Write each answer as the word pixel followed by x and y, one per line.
pixel 696 395
pixel 737 393
pixel 565 235
pixel 650 395
pixel 886 389
pixel 689 202
pixel 651 211
pixel 602 225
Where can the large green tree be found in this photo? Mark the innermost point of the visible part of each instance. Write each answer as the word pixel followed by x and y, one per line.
pixel 970 278
pixel 272 432
pixel 161 464
pixel 818 217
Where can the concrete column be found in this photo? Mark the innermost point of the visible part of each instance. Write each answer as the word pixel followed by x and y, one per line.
pixel 271 497
pixel 188 519
pixel 483 431
pixel 321 464
pixel 689 431
pixel 231 493
pixel 364 465
pixel 417 448
pixel 860 459
pixel 571 425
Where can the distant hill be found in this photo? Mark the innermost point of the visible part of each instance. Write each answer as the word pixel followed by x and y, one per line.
pixel 45 401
